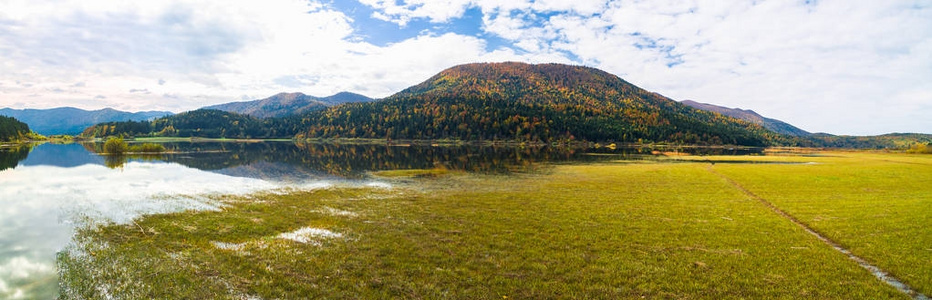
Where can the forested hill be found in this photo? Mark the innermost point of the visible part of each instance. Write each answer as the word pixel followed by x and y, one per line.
pixel 505 102
pixel 486 101
pixel 884 141
pixel 206 123
pixel 537 103
pixel 12 130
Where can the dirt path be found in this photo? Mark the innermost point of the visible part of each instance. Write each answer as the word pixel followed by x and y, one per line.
pixel 879 273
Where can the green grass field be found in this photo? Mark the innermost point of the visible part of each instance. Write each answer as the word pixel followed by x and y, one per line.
pixel 879 206
pixel 668 229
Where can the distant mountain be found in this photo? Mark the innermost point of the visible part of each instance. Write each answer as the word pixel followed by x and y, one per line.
pixel 535 103
pixel 345 97
pixel 285 104
pixel 807 139
pixel 515 102
pixel 750 116
pixel 69 120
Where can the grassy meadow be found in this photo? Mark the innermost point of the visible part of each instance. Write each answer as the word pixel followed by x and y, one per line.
pixel 674 229
pixel 878 206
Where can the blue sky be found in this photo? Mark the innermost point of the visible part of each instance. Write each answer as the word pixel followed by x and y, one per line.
pixel 840 66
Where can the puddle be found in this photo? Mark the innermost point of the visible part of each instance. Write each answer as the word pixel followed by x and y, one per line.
pixel 44 204
pixel 338 212
pixel 229 246
pixel 379 184
pixel 309 235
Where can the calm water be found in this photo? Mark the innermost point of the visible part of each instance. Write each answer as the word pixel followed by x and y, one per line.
pixel 48 190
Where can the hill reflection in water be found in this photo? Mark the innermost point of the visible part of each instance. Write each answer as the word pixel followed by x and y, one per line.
pixel 288 161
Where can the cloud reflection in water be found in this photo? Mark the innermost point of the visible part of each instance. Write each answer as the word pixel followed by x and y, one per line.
pixel 43 204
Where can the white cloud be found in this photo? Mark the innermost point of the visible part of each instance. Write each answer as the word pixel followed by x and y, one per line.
pixel 437 11
pixel 183 55
pixel 784 59
pixel 583 7
pixel 208 50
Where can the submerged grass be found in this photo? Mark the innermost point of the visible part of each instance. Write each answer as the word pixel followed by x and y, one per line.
pixel 412 173
pixel 653 230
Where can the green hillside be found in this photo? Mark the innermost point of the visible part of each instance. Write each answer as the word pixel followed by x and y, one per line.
pixel 535 103
pixel 884 141
pixel 491 102
pixel 12 130
pixel 205 123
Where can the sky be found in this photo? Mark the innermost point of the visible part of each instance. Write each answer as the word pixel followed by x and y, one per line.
pixel 853 67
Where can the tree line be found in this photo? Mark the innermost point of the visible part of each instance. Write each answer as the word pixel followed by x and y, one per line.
pixel 497 102
pixel 12 130
pixel 543 103
pixel 203 123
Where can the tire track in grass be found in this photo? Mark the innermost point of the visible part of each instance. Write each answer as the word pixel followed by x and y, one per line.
pixel 878 272
pixel 902 162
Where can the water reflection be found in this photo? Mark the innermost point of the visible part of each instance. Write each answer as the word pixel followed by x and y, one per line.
pixel 48 190
pixel 61 155
pixel 117 161
pixel 45 198
pixel 288 161
pixel 10 157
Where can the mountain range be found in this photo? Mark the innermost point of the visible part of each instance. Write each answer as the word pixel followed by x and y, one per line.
pixel 71 121
pixel 285 104
pixel 534 103
pixel 542 103
pixel 517 102
pixel 750 116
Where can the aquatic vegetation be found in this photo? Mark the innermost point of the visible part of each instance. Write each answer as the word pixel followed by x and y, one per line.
pixel 412 173
pixel 146 148
pixel 613 230
pixel 115 146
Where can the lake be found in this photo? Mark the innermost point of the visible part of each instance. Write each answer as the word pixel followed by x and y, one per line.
pixel 48 190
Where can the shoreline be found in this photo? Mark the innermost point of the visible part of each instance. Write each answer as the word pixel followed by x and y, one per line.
pixel 511 143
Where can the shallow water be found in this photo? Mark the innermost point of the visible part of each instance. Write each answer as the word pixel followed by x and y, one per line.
pixel 44 200
pixel 49 190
